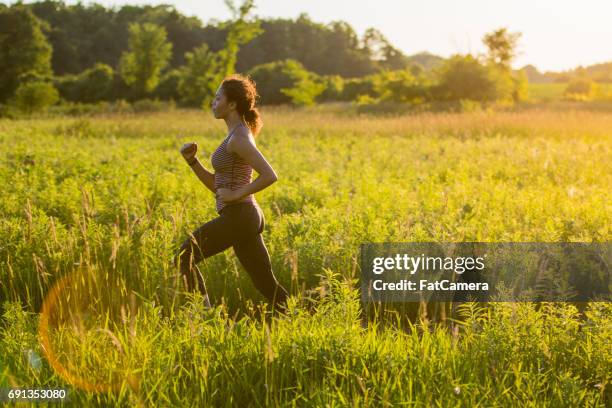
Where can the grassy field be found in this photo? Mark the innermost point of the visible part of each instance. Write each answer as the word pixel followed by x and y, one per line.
pixel 95 206
pixel 554 91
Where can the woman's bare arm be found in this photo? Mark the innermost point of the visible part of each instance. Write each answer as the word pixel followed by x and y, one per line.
pixel 204 175
pixel 189 154
pixel 243 144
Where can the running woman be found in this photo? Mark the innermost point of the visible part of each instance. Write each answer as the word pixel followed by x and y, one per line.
pixel 240 222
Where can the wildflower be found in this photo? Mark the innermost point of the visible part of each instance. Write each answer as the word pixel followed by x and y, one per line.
pixel 34 360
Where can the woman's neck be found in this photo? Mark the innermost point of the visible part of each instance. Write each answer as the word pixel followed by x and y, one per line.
pixel 232 121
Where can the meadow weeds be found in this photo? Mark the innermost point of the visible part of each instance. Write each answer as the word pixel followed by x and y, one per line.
pixel 95 208
pixel 506 354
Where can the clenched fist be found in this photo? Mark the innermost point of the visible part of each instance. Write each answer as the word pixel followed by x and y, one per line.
pixel 189 151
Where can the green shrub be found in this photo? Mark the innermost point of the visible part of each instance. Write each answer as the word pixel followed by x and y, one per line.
pixel 355 87
pixel 581 88
pixel 35 96
pixel 168 86
pixel 401 86
pixel 464 77
pixel 286 82
pixel 334 86
pixel 92 85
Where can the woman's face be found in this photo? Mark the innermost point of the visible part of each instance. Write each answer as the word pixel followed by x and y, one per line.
pixel 220 105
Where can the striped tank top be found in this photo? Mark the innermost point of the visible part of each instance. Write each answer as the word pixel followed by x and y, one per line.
pixel 231 171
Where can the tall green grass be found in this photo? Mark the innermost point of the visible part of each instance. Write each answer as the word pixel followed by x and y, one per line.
pixel 505 355
pixel 99 205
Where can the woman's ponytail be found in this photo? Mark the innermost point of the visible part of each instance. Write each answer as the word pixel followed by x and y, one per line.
pixel 253 120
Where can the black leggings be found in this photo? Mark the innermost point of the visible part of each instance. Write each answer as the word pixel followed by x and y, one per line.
pixel 238 225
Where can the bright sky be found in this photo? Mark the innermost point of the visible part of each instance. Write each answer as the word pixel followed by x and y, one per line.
pixel 557 34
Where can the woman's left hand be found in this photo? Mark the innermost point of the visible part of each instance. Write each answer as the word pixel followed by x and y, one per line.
pixel 226 195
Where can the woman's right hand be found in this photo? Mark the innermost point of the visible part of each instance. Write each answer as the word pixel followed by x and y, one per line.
pixel 189 151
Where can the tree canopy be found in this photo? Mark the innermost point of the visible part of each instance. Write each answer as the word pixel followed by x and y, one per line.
pixel 24 48
pixel 85 34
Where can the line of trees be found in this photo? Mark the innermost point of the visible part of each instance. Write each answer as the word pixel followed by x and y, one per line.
pixel 82 35
pixel 86 54
pixel 26 70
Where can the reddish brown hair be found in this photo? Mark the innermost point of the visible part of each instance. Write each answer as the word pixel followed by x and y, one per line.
pixel 241 89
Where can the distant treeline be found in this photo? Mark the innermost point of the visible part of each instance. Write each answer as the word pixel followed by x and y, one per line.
pixel 601 73
pixel 50 51
pixel 83 35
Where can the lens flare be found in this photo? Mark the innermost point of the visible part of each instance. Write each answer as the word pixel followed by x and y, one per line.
pixel 60 310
